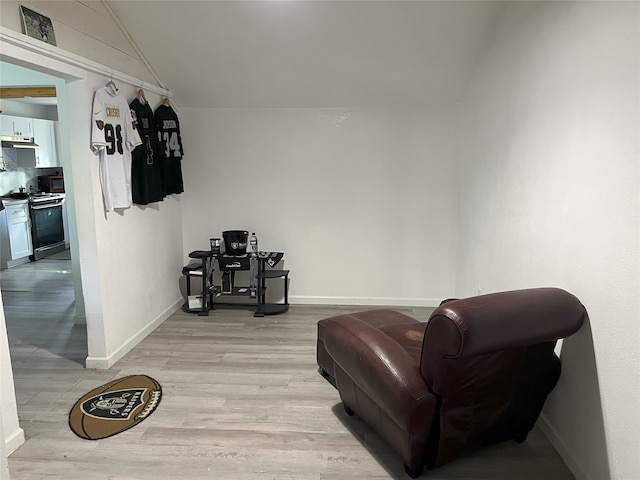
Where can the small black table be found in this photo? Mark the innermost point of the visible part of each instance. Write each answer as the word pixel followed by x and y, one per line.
pixel 228 265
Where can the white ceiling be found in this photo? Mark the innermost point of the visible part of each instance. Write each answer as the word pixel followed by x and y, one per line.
pixel 294 53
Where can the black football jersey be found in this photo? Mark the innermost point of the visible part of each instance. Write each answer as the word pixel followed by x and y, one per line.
pixel 146 177
pixel 170 148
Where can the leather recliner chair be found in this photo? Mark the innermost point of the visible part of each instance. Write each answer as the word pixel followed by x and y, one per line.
pixel 478 372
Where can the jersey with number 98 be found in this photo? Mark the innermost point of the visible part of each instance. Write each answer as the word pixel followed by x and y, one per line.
pixel 113 137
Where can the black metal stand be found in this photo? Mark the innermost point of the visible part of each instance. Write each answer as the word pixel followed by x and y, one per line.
pixel 265 308
pixel 228 266
pixel 206 270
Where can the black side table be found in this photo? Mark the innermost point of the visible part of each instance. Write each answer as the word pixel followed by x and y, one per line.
pixel 228 265
pixel 265 308
pixel 205 269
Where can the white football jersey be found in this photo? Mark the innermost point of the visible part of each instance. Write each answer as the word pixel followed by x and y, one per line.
pixel 113 137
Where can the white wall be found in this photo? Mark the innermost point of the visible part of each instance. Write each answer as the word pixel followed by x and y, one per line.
pixel 127 291
pixel 550 177
pixel 83 28
pixel 360 200
pixel 131 259
pixel 11 435
pixel 130 262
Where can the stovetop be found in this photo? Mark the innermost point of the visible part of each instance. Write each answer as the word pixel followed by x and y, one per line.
pixel 46 197
pixel 45 194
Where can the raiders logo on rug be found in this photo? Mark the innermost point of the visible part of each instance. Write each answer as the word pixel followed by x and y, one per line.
pixel 115 407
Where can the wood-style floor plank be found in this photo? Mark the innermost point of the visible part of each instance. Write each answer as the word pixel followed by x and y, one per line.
pixel 242 399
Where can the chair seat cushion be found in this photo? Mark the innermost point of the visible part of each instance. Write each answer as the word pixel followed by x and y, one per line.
pixel 409 336
pixel 380 319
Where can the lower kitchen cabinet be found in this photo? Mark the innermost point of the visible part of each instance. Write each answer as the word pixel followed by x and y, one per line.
pixel 15 234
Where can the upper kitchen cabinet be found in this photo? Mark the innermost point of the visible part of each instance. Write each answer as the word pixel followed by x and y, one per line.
pixel 16 126
pixel 45 136
pixel 6 126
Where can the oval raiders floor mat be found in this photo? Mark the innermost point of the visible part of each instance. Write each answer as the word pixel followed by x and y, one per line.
pixel 115 407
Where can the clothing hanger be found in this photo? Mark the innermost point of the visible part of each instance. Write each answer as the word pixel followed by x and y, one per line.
pixel 112 86
pixel 166 102
pixel 141 98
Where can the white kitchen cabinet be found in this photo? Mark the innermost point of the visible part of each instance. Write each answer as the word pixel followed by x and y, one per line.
pixel 44 134
pixel 6 126
pixel 15 233
pixel 16 126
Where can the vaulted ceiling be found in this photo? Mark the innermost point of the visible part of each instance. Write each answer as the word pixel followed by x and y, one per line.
pixel 293 53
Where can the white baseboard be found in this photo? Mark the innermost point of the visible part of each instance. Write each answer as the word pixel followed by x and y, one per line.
pixel 14 440
pixel 103 363
pixel 365 301
pixel 561 448
pixel 15 263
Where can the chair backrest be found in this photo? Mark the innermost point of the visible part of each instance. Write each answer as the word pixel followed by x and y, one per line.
pixel 490 360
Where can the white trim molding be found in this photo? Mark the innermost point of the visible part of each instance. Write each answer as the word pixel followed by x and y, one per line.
pixel 561 448
pixel 103 363
pixel 14 440
pixel 365 301
pixel 9 37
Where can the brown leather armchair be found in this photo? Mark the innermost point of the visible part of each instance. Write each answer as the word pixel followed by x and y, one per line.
pixel 478 372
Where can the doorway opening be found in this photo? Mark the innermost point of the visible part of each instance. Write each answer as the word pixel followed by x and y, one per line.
pixel 44 313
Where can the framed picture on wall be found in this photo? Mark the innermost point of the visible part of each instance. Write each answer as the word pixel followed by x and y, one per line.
pixel 37 26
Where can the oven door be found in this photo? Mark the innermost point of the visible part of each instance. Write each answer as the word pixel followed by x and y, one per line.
pixel 46 224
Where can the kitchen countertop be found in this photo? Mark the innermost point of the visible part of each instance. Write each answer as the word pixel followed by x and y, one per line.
pixel 7 200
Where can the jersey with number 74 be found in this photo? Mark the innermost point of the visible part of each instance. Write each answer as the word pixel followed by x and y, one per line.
pixel 170 147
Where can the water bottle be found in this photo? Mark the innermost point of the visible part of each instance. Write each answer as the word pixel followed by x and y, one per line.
pixel 253 266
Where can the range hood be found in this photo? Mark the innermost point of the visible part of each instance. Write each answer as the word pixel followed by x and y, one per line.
pixel 18 142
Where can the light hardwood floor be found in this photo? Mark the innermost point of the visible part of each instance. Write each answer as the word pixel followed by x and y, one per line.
pixel 242 399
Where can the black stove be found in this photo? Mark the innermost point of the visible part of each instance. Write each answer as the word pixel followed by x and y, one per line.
pixel 47 224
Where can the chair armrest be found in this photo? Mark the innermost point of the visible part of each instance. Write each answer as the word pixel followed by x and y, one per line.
pixel 380 367
pixel 447 300
pixel 498 321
